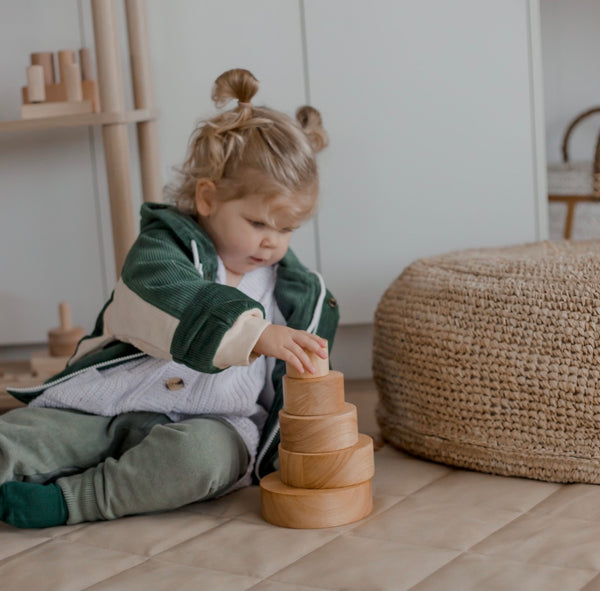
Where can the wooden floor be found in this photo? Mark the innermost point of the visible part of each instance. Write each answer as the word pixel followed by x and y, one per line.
pixel 432 528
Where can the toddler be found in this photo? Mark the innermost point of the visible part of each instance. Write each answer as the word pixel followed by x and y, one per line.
pixel 174 396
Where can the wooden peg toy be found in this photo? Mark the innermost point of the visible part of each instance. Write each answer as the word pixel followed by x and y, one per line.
pixel 35 84
pixel 85 61
pixel 66 57
pixel 75 92
pixel 46 60
pixel 326 466
pixel 73 83
pixel 62 341
pixel 89 86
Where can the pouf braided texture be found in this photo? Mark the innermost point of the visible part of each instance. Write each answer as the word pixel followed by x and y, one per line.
pixel 489 359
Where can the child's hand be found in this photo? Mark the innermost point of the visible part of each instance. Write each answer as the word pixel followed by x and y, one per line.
pixel 291 345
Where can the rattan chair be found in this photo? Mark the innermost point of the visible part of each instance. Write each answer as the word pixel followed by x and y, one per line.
pixel 574 183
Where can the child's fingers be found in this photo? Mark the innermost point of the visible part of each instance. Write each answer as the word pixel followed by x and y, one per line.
pixel 313 343
pixel 320 340
pixel 294 361
pixel 302 356
pixel 322 350
pixel 297 354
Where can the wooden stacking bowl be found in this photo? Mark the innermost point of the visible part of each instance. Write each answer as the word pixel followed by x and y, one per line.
pixel 319 433
pixel 307 508
pixel 336 469
pixel 314 396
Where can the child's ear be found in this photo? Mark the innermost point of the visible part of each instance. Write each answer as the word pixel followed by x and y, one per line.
pixel 206 192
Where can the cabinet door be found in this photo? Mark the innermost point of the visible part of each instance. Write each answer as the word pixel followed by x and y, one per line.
pixel 429 110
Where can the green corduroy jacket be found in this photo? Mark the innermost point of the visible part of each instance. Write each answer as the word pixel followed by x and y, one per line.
pixel 167 304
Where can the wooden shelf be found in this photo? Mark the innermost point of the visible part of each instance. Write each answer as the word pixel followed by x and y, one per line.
pixel 115 118
pixel 134 116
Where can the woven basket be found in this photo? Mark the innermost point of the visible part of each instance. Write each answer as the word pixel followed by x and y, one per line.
pixel 490 360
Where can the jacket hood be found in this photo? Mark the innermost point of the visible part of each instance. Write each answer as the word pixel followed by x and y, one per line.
pixel 162 215
pixel 184 229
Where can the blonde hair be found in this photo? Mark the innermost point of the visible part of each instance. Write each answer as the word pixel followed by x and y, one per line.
pixel 252 149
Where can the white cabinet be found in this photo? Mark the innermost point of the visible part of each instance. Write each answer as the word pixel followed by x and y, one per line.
pixel 428 105
pixel 429 109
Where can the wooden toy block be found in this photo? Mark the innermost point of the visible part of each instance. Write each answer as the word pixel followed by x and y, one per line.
pixel 62 341
pixel 337 469
pixel 90 93
pixel 307 508
pixel 321 367
pixel 58 93
pixel 46 60
pixel 311 434
pixel 66 57
pixel 85 61
pixel 44 365
pixel 48 109
pixel 35 84
pixel 76 85
pixel 314 396
pixel 55 93
pixel 73 83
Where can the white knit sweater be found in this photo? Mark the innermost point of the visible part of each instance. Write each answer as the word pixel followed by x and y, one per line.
pixel 157 385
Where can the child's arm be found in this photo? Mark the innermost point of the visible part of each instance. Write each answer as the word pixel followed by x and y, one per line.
pixel 167 309
pixel 290 345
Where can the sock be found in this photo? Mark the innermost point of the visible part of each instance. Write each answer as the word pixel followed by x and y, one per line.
pixel 29 505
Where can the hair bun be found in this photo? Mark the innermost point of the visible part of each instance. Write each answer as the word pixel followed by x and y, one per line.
pixel 312 124
pixel 237 84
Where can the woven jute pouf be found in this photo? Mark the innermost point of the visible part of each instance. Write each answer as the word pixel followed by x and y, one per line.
pixel 490 360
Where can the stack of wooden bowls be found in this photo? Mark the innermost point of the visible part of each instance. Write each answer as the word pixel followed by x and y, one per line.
pixel 326 465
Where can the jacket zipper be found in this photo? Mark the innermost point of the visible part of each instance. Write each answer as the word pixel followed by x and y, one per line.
pixel 266 448
pixel 76 373
pixel 312 328
pixel 314 323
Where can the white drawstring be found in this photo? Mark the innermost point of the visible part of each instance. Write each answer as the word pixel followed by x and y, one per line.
pixel 314 324
pixel 196 256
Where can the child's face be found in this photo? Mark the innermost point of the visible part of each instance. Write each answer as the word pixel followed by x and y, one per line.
pixel 249 233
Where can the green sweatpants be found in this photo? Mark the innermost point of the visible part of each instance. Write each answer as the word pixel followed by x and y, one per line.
pixel 108 467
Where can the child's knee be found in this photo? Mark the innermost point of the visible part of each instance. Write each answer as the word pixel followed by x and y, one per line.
pixel 209 450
